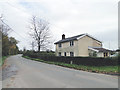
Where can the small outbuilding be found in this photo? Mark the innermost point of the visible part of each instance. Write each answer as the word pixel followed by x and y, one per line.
pixel 99 52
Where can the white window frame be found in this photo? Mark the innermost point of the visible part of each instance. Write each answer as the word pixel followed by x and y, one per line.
pixel 72 43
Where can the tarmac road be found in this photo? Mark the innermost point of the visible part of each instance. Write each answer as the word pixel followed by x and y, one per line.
pixel 23 73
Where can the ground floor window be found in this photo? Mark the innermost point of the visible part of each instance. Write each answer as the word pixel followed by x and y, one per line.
pixel 65 54
pixel 92 54
pixel 59 53
pixel 105 54
pixel 71 54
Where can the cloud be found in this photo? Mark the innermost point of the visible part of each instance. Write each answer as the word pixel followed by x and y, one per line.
pixel 72 17
pixel 16 17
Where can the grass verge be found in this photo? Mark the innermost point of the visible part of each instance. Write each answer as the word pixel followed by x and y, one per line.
pixel 2 60
pixel 113 70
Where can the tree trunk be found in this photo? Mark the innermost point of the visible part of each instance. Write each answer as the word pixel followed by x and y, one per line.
pixel 38 47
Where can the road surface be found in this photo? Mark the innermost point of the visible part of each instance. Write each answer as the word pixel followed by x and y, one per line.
pixel 23 73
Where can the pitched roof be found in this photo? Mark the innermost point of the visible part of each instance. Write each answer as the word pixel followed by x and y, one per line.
pixel 118 50
pixel 74 38
pixel 69 39
pixel 100 49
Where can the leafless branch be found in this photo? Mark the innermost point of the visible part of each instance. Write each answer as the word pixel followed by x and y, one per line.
pixel 40 32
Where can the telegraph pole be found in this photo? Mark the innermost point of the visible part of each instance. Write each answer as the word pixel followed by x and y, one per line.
pixel 109 45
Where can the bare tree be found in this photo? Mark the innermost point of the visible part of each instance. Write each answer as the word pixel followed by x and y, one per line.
pixel 4 28
pixel 40 32
pixel 33 45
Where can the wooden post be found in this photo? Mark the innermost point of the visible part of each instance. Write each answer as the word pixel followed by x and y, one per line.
pixel 71 62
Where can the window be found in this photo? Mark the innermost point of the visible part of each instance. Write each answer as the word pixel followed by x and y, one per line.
pixel 105 54
pixel 71 43
pixel 71 54
pixel 60 45
pixel 59 53
pixel 65 54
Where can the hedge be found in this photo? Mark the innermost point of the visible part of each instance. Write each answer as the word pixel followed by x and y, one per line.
pixel 88 61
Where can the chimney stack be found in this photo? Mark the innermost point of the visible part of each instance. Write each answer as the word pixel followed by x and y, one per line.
pixel 63 36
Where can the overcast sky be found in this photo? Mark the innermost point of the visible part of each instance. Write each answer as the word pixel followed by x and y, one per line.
pixel 98 18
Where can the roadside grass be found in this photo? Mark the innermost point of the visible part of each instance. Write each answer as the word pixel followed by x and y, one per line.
pixel 95 69
pixel 2 60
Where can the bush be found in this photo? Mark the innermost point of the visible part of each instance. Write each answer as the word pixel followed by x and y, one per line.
pixel 38 54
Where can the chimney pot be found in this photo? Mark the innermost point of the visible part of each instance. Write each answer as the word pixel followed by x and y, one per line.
pixel 63 36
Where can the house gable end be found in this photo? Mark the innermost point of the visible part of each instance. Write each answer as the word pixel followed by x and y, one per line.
pixel 89 37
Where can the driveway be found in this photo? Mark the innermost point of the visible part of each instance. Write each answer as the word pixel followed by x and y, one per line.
pixel 23 73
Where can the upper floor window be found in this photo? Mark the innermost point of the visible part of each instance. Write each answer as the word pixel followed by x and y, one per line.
pixel 60 45
pixel 71 43
pixel 71 54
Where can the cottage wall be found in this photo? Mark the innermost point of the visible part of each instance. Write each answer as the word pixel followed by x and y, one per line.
pixel 84 43
pixel 80 47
